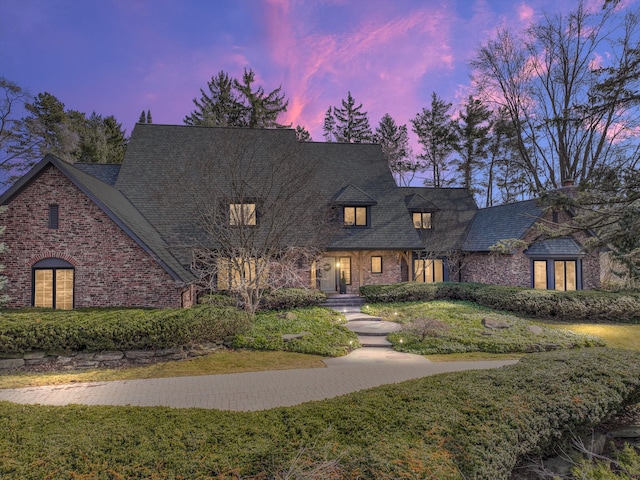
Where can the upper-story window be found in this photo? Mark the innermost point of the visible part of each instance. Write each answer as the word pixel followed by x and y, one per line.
pixel 242 214
pixel 422 220
pixel 355 217
pixel 53 216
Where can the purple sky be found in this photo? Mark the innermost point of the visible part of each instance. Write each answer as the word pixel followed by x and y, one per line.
pixel 119 57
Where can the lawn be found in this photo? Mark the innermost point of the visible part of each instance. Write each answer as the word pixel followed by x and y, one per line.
pixel 455 327
pixel 454 426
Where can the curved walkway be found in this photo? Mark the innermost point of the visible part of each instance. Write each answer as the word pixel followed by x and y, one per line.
pixel 361 369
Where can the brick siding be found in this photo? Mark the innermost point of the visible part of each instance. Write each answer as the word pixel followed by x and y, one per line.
pixel 111 269
pixel 515 270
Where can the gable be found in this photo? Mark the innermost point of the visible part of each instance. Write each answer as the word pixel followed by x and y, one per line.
pixel 113 204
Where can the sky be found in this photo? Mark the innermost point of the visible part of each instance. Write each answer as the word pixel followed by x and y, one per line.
pixel 120 57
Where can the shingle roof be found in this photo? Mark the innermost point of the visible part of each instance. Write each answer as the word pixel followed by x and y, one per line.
pixel 116 206
pixel 492 224
pixel 452 211
pixel 105 172
pixel 555 247
pixel 359 171
pixel 352 195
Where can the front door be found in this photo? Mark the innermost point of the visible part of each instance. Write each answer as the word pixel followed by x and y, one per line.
pixel 326 273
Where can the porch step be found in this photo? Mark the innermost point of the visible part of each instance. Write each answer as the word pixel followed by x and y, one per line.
pixel 345 300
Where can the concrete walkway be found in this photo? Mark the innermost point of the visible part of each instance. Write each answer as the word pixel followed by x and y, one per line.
pixel 361 369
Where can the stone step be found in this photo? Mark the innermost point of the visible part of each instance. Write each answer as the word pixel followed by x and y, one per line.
pixel 372 328
pixel 374 341
pixel 344 301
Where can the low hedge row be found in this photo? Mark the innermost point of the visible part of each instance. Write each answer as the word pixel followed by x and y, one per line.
pixel 287 298
pixel 467 425
pixel 95 330
pixel 576 306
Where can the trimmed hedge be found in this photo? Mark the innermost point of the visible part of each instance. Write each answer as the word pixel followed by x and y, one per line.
pixel 117 329
pixel 467 425
pixel 577 306
pixel 287 298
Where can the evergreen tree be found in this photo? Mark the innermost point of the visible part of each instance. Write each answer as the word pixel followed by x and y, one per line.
pixel 394 141
pixel 149 120
pixel 233 103
pixel 329 127
pixel 143 118
pixel 436 133
pixel 472 131
pixel 302 134
pixel 352 124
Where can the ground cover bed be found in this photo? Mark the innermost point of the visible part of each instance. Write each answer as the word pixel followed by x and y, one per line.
pixel 474 424
pixel 446 327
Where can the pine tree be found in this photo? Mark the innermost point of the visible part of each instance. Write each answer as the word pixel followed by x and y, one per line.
pixel 329 127
pixel 302 134
pixel 352 124
pixel 149 120
pixel 394 141
pixel 233 103
pixel 472 130
pixel 436 134
pixel 142 118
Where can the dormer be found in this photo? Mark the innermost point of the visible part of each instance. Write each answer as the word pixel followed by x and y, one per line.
pixel 421 211
pixel 355 206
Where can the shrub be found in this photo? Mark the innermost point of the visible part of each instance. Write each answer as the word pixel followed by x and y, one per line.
pixel 217 300
pixel 118 329
pixel 576 306
pixel 425 327
pixel 320 329
pixel 287 298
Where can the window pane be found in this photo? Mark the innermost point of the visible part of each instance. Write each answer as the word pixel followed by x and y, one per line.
pixel 540 274
pixel 570 275
pixel 64 289
pixel 345 267
pixel 376 264
pixel 223 274
pixel 428 271
pixel 43 292
pixel 438 271
pixel 558 267
pixel 361 216
pixel 418 270
pixel 417 220
pixel 242 214
pixel 249 212
pixel 349 216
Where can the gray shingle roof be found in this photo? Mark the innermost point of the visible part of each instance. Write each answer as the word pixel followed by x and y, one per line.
pixel 452 211
pixel 492 224
pixel 356 170
pixel 105 172
pixel 555 247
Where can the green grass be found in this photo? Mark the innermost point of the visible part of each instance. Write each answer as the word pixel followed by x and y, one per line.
pixel 464 332
pixel 615 335
pixel 462 425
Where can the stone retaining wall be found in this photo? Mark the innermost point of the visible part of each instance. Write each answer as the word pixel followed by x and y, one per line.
pixel 66 360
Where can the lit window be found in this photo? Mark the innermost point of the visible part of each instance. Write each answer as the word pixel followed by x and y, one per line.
pixel 233 274
pixel 355 216
pixel 565 274
pixel 428 270
pixel 242 214
pixel 53 284
pixel 53 217
pixel 345 269
pixel 422 220
pixel 376 264
pixel 540 274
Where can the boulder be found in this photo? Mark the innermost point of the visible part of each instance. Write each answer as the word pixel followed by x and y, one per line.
pixel 494 324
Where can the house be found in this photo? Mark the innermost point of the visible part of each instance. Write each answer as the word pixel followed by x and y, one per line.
pixel 126 235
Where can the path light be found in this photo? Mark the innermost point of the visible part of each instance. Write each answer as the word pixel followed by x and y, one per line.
pixel 395 313
pixel 401 340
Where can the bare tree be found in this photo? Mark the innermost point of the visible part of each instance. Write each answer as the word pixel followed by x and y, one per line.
pixel 14 147
pixel 553 82
pixel 261 219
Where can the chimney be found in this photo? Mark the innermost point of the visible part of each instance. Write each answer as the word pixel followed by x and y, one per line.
pixel 567 182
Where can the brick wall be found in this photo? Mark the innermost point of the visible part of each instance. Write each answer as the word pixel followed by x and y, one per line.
pixel 110 268
pixel 515 270
pixel 361 268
